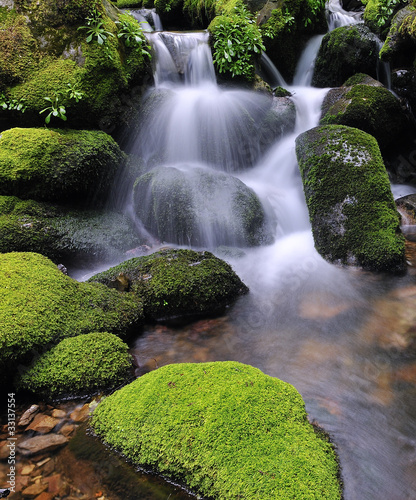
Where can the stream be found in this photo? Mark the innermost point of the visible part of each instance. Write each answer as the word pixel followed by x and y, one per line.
pixel 341 336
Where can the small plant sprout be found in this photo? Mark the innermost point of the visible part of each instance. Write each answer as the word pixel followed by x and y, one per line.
pixel 73 93
pixel 55 109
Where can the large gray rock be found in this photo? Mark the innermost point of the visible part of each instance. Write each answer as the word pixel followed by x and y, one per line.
pixel 200 207
pixel 351 207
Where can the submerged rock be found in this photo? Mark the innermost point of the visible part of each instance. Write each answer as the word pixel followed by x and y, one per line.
pixel 58 165
pixel 199 207
pixel 79 366
pixel 39 306
pixel 175 283
pixel 371 108
pixel 344 52
pixel 225 428
pixel 351 207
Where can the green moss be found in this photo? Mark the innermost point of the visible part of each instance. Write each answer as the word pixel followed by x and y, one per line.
pixel 78 366
pixel 378 14
pixel 40 306
pixel 373 109
pixel 18 49
pixel 177 282
pixel 354 218
pixel 226 429
pixel 53 164
pixel 124 4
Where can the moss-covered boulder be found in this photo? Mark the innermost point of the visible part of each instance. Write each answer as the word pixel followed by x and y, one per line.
pixel 78 366
pixel 226 429
pixel 58 165
pixel 176 282
pixel 62 233
pixel 344 52
pixel 199 207
pixel 84 56
pixel 351 207
pixel 378 14
pixel 40 306
pixel 399 47
pixel 371 108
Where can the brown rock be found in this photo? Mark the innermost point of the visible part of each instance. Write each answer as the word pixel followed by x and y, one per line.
pixel 41 444
pixel 43 424
pixel 80 414
pixel 27 469
pixel 34 490
pixel 67 429
pixel 28 415
pixel 58 413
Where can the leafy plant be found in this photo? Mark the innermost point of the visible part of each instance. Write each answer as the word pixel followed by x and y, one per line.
pixel 73 93
pixel 132 35
pixel 97 32
pixel 386 9
pixel 314 8
pixel 12 104
pixel 237 40
pixel 55 109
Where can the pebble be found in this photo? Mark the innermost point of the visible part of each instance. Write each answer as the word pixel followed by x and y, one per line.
pixel 28 416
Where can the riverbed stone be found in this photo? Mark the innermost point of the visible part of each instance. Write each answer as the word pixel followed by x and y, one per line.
pixel 177 282
pixel 43 424
pixel 344 52
pixel 227 429
pixel 41 444
pixel 351 207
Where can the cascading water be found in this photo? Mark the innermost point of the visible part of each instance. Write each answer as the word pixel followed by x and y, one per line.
pixel 305 321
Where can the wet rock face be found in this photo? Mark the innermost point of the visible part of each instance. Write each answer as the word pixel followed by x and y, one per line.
pixel 195 206
pixel 344 52
pixel 351 207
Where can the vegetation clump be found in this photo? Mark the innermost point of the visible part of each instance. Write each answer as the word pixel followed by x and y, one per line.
pixel 175 282
pixel 78 366
pixel 225 429
pixel 58 165
pixel 351 207
pixel 40 306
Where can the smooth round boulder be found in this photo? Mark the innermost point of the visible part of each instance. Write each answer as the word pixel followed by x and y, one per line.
pixel 195 206
pixel 225 428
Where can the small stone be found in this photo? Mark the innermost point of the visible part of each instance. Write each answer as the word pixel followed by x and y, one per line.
pixel 43 462
pixel 58 413
pixel 55 483
pixel 67 429
pixel 41 444
pixel 43 424
pixel 27 469
pixel 28 416
pixel 34 490
pixel 80 414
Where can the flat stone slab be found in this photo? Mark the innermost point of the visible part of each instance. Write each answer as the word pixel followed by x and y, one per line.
pixel 41 444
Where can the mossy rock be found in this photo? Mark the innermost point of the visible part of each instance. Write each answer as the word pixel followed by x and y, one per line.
pixel 225 429
pixel 199 207
pixel 175 283
pixel 351 207
pixel 370 108
pixel 78 366
pixel 40 306
pixel 109 78
pixel 378 14
pixel 399 48
pixel 58 165
pixel 344 52
pixel 63 233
